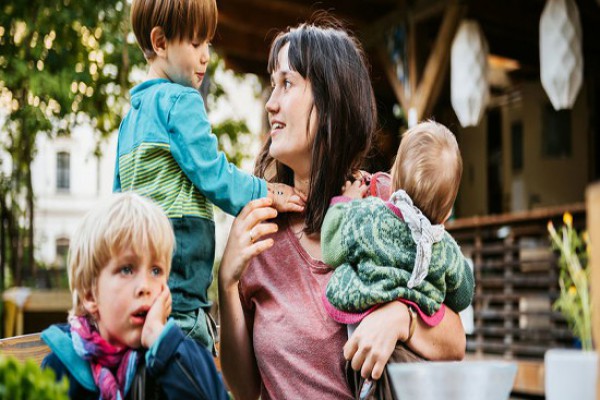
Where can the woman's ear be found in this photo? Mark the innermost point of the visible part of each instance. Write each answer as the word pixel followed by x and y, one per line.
pixel 159 41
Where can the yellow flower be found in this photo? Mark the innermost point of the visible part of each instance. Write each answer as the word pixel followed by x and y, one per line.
pixel 572 290
pixel 568 219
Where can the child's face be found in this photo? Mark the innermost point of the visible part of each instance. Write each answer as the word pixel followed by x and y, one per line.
pixel 125 290
pixel 186 62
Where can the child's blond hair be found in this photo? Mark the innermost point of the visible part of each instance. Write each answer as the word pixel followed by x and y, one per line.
pixel 428 168
pixel 124 220
pixel 179 19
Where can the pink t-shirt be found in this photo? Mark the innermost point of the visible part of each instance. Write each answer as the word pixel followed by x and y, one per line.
pixel 298 347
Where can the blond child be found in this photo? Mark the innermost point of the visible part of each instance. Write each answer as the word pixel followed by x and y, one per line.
pixel 118 343
pixel 166 151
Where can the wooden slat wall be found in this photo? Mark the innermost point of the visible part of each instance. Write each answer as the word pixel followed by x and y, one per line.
pixel 516 277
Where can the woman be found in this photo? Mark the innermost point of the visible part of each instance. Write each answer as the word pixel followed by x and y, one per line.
pixel 277 340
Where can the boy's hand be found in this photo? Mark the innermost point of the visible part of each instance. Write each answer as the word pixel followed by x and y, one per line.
pixel 355 190
pixel 245 240
pixel 156 317
pixel 286 198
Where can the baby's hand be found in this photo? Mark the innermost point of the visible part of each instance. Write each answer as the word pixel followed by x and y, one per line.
pixel 286 198
pixel 354 190
pixel 156 317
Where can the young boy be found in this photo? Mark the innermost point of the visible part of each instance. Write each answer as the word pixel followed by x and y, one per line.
pixel 166 150
pixel 398 250
pixel 117 345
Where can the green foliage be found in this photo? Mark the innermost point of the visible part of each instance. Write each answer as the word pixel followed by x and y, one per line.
pixel 26 381
pixel 574 301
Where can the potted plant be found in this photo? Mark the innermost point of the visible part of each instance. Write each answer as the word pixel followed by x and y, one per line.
pixel 572 373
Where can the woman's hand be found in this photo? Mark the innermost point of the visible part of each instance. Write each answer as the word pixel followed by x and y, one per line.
pixel 244 243
pixel 372 343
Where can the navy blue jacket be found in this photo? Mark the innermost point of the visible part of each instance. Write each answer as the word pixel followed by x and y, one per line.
pixel 176 366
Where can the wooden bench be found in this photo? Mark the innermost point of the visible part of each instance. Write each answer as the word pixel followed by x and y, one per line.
pixel 24 347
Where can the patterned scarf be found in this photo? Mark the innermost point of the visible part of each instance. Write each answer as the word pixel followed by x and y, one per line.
pixel 104 359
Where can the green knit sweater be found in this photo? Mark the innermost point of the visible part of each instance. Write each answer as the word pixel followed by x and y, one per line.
pixel 373 254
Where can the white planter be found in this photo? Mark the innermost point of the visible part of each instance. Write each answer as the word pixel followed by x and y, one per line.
pixel 466 380
pixel 570 374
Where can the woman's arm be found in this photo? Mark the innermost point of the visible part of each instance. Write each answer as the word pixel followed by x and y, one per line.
pixel 237 353
pixel 373 342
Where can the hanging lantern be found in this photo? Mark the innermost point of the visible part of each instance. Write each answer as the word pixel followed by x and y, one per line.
pixel 561 56
pixel 469 87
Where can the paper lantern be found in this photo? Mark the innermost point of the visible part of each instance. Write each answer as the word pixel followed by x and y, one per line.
pixel 469 87
pixel 561 56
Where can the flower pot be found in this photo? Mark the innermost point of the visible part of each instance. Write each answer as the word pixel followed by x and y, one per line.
pixel 466 380
pixel 570 374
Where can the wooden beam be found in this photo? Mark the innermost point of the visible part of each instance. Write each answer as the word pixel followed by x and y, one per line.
pixel 413 73
pixel 374 34
pixel 434 74
pixel 593 227
pixel 228 41
pixel 397 86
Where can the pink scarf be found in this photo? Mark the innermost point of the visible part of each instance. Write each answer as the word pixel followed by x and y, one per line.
pixel 104 359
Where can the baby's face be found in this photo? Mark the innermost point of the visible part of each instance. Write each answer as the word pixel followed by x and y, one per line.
pixel 126 289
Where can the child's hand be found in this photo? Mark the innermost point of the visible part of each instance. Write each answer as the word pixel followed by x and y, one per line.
pixel 157 317
pixel 355 190
pixel 286 198
pixel 243 243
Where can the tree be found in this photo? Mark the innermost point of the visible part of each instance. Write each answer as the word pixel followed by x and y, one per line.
pixel 61 64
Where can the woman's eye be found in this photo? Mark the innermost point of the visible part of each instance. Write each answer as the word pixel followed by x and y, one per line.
pixel 287 84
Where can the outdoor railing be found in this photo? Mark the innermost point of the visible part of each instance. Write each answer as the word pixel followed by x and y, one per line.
pixel 516 276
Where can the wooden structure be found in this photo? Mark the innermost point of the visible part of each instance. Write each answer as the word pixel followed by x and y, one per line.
pixel 18 301
pixel 593 223
pixel 516 277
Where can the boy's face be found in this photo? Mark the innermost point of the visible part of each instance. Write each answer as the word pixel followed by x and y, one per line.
pixel 125 290
pixel 186 62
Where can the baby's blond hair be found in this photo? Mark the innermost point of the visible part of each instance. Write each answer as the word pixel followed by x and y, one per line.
pixel 428 168
pixel 123 220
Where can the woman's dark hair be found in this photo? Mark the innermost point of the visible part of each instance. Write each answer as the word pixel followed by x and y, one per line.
pixel 334 64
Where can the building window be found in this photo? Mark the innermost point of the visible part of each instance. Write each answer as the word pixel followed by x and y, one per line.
pixel 63 171
pixel 62 249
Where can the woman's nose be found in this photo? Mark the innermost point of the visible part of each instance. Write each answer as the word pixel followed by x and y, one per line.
pixel 271 104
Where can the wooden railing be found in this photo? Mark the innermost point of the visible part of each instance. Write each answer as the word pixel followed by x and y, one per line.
pixel 516 277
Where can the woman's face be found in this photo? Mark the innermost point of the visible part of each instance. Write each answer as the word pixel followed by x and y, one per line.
pixel 292 117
